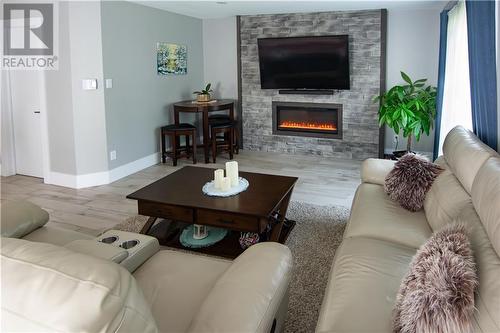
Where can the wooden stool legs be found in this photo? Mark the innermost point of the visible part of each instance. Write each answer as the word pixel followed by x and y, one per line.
pixel 228 143
pixel 175 138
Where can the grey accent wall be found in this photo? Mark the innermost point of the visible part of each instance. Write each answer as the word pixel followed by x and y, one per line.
pixel 75 117
pixel 360 119
pixel 88 105
pixel 140 101
pixel 59 99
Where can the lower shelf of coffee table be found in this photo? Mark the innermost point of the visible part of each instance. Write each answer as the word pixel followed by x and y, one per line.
pixel 168 233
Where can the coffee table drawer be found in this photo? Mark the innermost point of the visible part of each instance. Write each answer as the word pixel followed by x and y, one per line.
pixel 165 211
pixel 228 220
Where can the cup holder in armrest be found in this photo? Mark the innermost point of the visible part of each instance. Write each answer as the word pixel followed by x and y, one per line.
pixel 129 244
pixel 109 240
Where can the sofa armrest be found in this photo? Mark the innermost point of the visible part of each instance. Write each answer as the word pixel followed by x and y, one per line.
pixel 249 293
pixel 19 218
pixel 374 170
pixel 98 249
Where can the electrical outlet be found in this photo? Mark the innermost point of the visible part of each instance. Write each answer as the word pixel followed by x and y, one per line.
pixel 112 155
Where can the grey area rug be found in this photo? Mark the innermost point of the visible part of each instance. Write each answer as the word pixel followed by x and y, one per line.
pixel 313 243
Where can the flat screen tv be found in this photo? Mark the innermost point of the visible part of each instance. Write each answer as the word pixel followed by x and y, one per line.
pixel 315 62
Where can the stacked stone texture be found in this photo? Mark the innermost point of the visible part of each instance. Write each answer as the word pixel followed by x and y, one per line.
pixel 360 121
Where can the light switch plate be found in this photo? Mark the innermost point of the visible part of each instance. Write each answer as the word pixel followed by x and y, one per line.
pixel 89 84
pixel 109 83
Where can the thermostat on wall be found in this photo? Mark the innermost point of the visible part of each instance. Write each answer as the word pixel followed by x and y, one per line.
pixel 89 84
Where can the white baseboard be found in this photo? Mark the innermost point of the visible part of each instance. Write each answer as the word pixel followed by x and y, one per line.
pixel 104 177
pixel 133 167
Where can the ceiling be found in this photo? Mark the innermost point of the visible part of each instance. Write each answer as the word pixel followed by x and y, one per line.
pixel 220 9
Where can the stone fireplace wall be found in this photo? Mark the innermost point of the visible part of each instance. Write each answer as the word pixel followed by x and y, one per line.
pixel 366 30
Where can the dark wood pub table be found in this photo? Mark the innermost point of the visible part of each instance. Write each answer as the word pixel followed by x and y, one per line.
pixel 179 200
pixel 204 108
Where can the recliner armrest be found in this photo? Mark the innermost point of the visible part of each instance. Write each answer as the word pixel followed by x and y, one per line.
pixel 249 293
pixel 374 170
pixel 19 218
pixel 98 249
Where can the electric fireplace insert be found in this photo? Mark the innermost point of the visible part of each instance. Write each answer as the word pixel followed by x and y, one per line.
pixel 307 119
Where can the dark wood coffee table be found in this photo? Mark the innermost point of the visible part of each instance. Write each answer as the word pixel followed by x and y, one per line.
pixel 179 200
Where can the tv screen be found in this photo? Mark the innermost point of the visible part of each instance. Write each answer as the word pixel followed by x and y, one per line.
pixel 316 62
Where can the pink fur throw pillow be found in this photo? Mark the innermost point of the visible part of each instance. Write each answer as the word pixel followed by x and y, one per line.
pixel 437 294
pixel 410 179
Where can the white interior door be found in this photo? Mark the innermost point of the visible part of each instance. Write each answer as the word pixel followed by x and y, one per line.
pixel 26 88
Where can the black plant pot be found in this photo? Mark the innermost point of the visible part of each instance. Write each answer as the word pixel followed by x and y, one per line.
pixel 400 153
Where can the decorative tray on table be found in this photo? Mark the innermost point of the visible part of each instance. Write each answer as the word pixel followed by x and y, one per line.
pixel 210 190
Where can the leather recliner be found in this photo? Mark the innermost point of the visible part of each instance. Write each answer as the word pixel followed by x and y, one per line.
pixel 47 287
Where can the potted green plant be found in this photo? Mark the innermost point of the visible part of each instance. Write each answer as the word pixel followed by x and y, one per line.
pixel 204 95
pixel 410 108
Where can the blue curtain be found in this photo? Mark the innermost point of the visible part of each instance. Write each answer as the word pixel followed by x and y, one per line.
pixel 482 69
pixel 441 73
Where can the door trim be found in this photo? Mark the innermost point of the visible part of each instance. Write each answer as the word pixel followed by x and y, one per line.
pixel 9 159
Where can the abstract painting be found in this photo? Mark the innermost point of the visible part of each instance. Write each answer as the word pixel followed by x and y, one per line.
pixel 171 59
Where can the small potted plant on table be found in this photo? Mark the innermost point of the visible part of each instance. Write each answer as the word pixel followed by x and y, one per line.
pixel 410 108
pixel 204 95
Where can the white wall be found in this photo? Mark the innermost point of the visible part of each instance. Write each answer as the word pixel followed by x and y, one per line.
pixel 220 56
pixel 413 47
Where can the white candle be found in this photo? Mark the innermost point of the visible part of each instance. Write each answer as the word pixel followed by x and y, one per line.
pixel 226 184
pixel 218 175
pixel 232 172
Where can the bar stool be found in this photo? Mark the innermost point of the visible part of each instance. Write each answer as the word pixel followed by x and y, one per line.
pixel 227 143
pixel 219 119
pixel 174 132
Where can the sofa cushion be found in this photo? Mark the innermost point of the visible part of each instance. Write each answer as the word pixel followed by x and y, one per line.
pixel 175 285
pixel 19 218
pixel 445 200
pixel 50 288
pixel 375 215
pixel 55 235
pixel 487 299
pixel 465 154
pixel 486 199
pixel 365 278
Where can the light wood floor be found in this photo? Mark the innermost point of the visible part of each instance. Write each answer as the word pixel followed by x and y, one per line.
pixel 322 181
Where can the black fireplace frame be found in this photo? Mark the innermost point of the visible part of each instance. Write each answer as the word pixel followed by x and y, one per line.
pixel 338 135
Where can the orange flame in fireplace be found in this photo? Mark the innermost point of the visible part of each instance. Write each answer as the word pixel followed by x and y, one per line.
pixel 308 126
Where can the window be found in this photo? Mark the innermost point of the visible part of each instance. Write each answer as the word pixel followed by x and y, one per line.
pixel 456 109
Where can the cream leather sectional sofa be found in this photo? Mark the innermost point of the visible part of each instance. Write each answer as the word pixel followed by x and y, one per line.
pixel 381 238
pixel 56 280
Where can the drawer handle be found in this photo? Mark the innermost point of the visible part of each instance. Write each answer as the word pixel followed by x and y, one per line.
pixel 225 221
